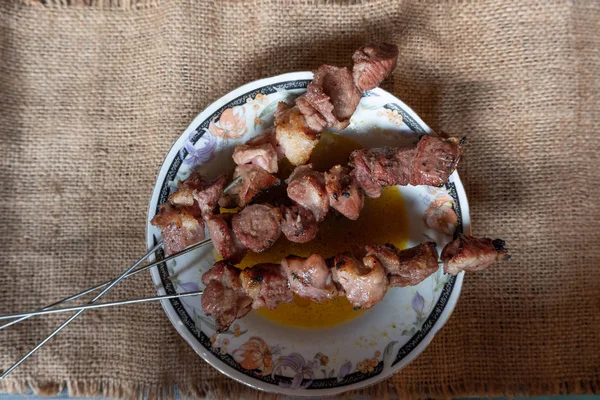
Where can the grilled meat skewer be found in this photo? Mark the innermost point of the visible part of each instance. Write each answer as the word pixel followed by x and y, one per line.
pixel 363 277
pixel 431 161
pixel 329 102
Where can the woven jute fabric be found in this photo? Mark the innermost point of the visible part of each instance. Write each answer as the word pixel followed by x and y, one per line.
pixel 92 95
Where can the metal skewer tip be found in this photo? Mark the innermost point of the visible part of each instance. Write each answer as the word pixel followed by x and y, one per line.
pixel 102 305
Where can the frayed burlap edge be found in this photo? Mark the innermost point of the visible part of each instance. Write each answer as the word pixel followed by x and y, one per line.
pixel 142 4
pixel 101 4
pixel 233 390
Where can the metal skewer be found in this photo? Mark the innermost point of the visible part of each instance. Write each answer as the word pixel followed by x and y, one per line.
pixel 102 305
pixel 46 311
pixel 71 318
pixel 101 285
pixel 144 268
pixel 234 182
pixel 109 285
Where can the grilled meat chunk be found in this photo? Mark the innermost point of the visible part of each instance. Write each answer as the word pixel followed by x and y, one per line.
pixel 268 136
pixel 364 282
pixel 315 122
pixel 196 188
pixel 183 196
pixel 309 277
pixel 306 188
pixel 208 195
pixel 180 227
pixel 372 64
pixel 223 297
pixel 406 267
pixel 267 285
pixel 440 215
pixel 316 107
pixel 330 100
pixel 344 96
pixel 261 155
pixel 430 163
pixel 344 193
pixel 224 239
pixel 254 181
pixel 435 160
pixel 471 254
pixel 377 168
pixel 296 133
pixel 299 224
pixel 257 226
pixel 361 172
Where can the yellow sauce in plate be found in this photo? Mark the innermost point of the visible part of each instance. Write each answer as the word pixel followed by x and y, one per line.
pixel 382 220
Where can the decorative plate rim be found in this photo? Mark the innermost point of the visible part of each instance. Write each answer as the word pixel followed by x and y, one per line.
pixel 219 364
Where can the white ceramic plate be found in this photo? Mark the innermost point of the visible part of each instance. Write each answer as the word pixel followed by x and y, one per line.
pixel 305 361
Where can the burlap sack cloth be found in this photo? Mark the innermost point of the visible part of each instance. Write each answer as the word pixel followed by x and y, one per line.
pixel 92 97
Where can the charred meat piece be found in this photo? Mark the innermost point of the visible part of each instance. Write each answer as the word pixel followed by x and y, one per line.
pixel 471 254
pixel 372 64
pixel 254 181
pixel 306 188
pixel 299 224
pixel 364 282
pixel 203 191
pixel 361 172
pixel 435 160
pixel 262 155
pixel 376 168
pixel 267 285
pixel 309 277
pixel 406 267
pixel 223 297
pixel 391 165
pixel 257 226
pixel 316 107
pixel 430 163
pixel 295 134
pixel 313 119
pixel 208 195
pixel 224 239
pixel 338 85
pixel 180 227
pixel 344 193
